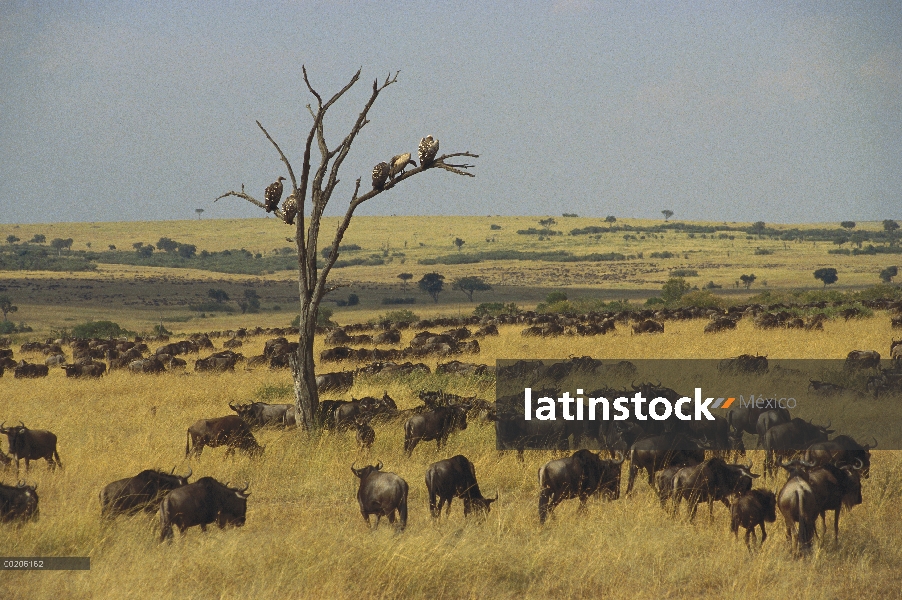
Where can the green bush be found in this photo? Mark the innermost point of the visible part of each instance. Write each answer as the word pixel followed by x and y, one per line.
pixel 99 329
pixel 684 273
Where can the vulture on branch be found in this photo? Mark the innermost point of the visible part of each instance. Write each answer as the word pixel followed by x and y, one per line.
pixel 380 174
pixel 399 163
pixel 427 151
pixel 274 195
pixel 290 209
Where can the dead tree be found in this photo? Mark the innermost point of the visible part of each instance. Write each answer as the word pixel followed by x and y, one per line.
pixel 320 182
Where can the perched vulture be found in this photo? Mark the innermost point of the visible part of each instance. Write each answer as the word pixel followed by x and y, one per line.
pixel 274 195
pixel 290 209
pixel 399 163
pixel 380 174
pixel 427 151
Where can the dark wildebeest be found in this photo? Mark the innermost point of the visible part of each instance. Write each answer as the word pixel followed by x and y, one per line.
pixel 769 418
pixel 744 419
pixel 437 424
pixel 797 505
pixel 648 326
pixel 381 494
pixel 19 503
pixel 786 439
pixel 346 412
pixel 664 481
pixel 656 452
pixel 229 431
pixel 451 478
pixel 143 492
pixel 147 365
pixel 94 369
pixel 753 508
pixel 841 450
pixel 862 359
pixel 744 363
pixel 200 503
pixel 28 370
pixel 261 414
pixel 366 435
pixel 834 488
pixel 31 444
pixel 709 481
pixel 339 381
pixel 580 475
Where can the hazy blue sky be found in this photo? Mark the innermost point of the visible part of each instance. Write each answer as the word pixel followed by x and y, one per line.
pixel 779 111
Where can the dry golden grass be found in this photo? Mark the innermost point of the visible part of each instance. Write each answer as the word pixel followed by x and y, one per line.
pixel 304 536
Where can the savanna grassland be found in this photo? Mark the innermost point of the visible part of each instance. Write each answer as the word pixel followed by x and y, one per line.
pixel 304 536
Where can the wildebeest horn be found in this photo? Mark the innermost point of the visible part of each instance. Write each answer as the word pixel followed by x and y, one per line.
pixel 190 473
pixel 172 472
pixel 23 425
pixel 633 385
pixel 379 467
pixel 495 499
pixel 619 458
pixel 246 485
pixel 868 447
pixel 859 464
pixel 232 407
pixel 2 428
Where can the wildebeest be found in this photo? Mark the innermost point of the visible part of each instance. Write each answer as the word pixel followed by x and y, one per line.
pixel 451 478
pixel 261 414
pixel 648 326
pixel 664 481
pixel 770 418
pixel 797 505
pixel 230 431
pixel 656 452
pixel 708 482
pixel 840 450
pixel 28 370
pixel 824 387
pixel 18 503
pixel 366 435
pixel 720 324
pixel 437 424
pixel 750 509
pixel 339 381
pixel 381 494
pixel 200 503
pixel 834 488
pixel 31 444
pixel 580 475
pixel 143 492
pixel 147 365
pixel 862 359
pixel 744 363
pixel 786 439
pixel 94 369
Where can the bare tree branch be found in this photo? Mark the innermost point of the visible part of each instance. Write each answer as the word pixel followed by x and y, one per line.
pixel 294 183
pixel 250 199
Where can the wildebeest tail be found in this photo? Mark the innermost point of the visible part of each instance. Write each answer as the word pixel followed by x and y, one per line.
pixel 165 522
pixel 804 534
pixel 187 442
pixel 402 507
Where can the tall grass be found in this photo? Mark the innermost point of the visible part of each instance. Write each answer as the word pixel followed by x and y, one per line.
pixel 304 536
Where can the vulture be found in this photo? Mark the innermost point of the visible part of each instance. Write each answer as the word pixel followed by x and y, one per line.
pixel 274 195
pixel 427 151
pixel 399 163
pixel 290 209
pixel 380 174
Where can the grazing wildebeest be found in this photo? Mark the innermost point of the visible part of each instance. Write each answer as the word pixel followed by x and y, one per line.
pixel 143 492
pixel 437 424
pixel 381 494
pixel 94 369
pixel 720 324
pixel 750 509
pixel 769 418
pixel 744 363
pixel 656 452
pixel 786 439
pixel 862 359
pixel 338 381
pixel 31 444
pixel 261 414
pixel 664 481
pixel 147 365
pixel 648 326
pixel 366 435
pixel 797 505
pixel 841 450
pixel 200 503
pixel 19 503
pixel 451 478
pixel 580 475
pixel 229 431
pixel 28 370
pixel 710 481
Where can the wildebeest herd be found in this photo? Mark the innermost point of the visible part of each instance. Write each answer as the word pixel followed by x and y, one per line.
pixel 824 473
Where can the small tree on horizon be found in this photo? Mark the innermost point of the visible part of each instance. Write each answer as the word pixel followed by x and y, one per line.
pixel 39 238
pixel 459 243
pixel 219 296
pixel 198 211
pixel 610 219
pixel 747 280
pixel 827 275
pixel 667 214
pixel 847 224
pixel 6 306
pixel 432 284
pixel 469 285
pixel 887 274
pixel 674 289
pixel 405 277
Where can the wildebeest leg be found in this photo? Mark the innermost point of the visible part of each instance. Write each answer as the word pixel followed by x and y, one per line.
pixel 545 506
pixel 763 533
pixel 632 478
pixel 402 513
pixel 391 517
pixel 448 510
pixel 520 454
pixel 747 533
pixel 835 526
pixel 27 464
pixel 366 518
pixel 203 527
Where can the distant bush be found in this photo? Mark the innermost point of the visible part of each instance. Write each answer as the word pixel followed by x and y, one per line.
pixel 684 273
pixel 396 316
pixel 664 254
pixel 327 252
pixel 702 299
pixel 99 329
pixel 323 318
pixel 570 215
pixel 555 297
pixel 493 309
pixel 399 301
pixel 711 286
pixel 844 251
pixel 534 231
pixel 763 251
pixel 494 227
pixel 654 300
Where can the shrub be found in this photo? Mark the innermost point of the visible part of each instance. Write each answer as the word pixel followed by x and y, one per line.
pixel 684 273
pixel 494 227
pixel 763 251
pixel 664 254
pixel 493 309
pixel 674 289
pixel 99 329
